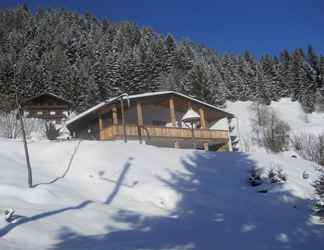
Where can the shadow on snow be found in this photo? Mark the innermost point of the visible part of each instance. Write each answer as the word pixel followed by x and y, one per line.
pixel 23 220
pixel 66 171
pixel 20 220
pixel 218 210
pixel 119 182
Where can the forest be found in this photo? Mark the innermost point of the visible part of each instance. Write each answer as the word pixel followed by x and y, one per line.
pixel 87 60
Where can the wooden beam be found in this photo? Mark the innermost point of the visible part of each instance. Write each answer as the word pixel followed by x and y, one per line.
pixel 115 117
pixel 202 118
pixel 100 127
pixel 172 112
pixel 114 120
pixel 139 108
pixel 140 121
pixel 203 125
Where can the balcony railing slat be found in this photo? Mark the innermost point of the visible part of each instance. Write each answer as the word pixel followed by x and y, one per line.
pixel 166 132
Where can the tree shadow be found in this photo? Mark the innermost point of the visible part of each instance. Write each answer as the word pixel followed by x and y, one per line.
pixel 24 220
pixel 119 182
pixel 115 182
pixel 19 219
pixel 218 210
pixel 65 171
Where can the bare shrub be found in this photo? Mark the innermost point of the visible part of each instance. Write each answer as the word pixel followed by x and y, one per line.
pixel 33 125
pixel 246 144
pixel 9 125
pixel 309 146
pixel 268 130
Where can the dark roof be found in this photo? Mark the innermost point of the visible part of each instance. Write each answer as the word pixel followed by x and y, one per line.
pixel 51 95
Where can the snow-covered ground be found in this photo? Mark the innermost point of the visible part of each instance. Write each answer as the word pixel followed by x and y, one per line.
pixel 110 195
pixel 290 112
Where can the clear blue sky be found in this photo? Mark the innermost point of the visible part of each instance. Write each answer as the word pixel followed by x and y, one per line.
pixel 262 26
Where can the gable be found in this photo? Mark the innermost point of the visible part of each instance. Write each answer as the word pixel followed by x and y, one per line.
pixel 46 100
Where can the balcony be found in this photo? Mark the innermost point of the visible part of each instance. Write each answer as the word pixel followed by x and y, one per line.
pixel 151 132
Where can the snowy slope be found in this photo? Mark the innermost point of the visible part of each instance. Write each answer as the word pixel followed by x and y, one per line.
pixel 108 195
pixel 289 111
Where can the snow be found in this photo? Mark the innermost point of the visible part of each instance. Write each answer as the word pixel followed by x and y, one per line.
pixel 111 195
pixel 88 111
pixel 289 111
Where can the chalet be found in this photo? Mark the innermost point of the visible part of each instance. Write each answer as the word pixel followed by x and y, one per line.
pixel 47 106
pixel 160 118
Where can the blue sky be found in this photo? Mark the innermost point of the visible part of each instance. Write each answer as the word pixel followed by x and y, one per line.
pixel 261 26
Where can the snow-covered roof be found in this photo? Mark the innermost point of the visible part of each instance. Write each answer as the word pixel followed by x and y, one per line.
pixel 190 116
pixel 148 94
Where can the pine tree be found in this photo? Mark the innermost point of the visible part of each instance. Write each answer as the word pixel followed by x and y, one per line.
pixel 89 60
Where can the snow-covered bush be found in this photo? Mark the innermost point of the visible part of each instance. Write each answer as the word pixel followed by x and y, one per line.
pixel 283 177
pixel 268 129
pixel 319 189
pixel 255 176
pixel 309 146
pixel 276 174
pixel 305 175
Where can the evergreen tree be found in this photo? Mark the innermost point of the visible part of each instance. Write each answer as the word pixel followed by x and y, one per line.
pixel 87 60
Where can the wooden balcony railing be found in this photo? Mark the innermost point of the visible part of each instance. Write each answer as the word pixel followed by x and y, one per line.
pixel 163 132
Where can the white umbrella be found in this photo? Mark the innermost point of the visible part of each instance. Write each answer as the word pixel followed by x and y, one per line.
pixel 191 117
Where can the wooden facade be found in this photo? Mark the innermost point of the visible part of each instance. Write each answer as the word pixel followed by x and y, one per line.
pixel 155 117
pixel 46 106
pixel 149 131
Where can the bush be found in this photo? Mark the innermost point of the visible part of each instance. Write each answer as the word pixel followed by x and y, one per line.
pixel 276 175
pixel 319 190
pixel 309 146
pixel 51 132
pixel 268 130
pixel 255 176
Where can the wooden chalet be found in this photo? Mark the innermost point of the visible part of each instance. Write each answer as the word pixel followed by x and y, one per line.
pixel 156 118
pixel 46 106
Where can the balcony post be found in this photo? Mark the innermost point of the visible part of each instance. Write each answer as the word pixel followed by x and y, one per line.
pixel 115 121
pixel 139 114
pixel 173 118
pixel 172 112
pixel 140 121
pixel 203 125
pixel 101 137
pixel 229 140
pixel 115 117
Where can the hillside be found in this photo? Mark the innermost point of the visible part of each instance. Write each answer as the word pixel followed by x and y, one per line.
pixel 288 111
pixel 117 196
pixel 87 60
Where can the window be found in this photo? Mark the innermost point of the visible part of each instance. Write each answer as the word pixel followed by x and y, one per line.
pixel 158 123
